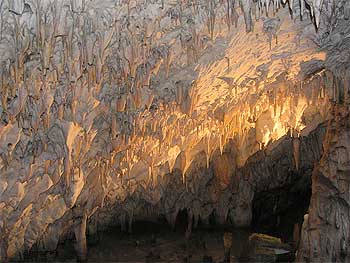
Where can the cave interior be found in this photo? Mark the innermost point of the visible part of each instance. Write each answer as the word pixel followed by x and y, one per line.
pixel 174 131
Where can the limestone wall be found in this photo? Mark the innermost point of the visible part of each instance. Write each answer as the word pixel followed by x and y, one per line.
pixel 123 105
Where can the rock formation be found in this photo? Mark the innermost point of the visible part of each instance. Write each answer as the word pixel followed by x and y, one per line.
pixel 113 111
pixel 325 231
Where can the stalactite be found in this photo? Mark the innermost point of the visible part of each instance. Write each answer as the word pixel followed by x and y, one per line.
pixel 60 112
pixel 184 166
pixel 246 9
pixel 221 144
pixel 296 151
pixel 208 152
pixel 67 170
pixel 346 83
pixel 302 8
pixel 114 126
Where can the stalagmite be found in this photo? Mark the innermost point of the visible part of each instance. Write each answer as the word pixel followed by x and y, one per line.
pixel 122 219
pixel 188 233
pixel 3 244
pixel 80 236
pixel 131 215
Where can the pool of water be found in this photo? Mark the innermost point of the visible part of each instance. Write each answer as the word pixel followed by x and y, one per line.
pixel 154 242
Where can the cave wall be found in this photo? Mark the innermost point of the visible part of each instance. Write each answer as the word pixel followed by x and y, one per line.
pixel 325 231
pixel 280 204
pixel 113 111
pixel 281 164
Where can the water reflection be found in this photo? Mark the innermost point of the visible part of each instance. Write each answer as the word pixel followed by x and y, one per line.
pixel 155 242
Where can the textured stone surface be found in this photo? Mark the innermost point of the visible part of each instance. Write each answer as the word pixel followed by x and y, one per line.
pixel 274 167
pixel 325 232
pixel 116 110
pixel 264 248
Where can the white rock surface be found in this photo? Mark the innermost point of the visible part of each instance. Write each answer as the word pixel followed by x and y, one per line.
pixel 106 103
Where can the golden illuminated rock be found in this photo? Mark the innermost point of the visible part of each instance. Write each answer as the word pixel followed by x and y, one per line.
pixel 111 107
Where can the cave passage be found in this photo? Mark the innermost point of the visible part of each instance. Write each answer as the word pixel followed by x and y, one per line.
pixel 280 212
pixel 277 212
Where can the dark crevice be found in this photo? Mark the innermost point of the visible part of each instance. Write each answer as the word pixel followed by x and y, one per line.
pixel 181 221
pixel 280 211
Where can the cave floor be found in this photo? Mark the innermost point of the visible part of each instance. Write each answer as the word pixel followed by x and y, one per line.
pixel 153 242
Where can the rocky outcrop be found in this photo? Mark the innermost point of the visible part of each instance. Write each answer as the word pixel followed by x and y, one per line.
pixel 325 231
pixel 264 248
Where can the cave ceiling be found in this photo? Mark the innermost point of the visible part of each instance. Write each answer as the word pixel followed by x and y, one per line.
pixel 103 99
